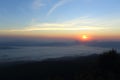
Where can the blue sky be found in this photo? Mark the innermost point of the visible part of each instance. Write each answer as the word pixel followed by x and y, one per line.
pixel 19 13
pixel 23 14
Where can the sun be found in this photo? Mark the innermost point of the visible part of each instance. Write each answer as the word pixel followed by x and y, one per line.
pixel 85 37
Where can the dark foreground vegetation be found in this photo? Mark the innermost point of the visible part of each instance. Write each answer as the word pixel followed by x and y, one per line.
pixel 104 66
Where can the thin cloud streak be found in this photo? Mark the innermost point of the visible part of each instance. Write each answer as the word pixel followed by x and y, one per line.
pixel 60 3
pixel 37 4
pixel 72 25
pixel 54 29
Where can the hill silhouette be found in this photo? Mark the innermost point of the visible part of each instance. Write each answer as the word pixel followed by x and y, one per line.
pixel 105 66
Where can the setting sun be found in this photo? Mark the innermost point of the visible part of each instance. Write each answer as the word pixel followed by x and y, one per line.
pixel 85 37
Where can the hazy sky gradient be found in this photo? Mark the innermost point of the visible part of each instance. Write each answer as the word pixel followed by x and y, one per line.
pixel 60 18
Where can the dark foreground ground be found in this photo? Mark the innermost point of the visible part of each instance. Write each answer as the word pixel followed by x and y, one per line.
pixel 105 66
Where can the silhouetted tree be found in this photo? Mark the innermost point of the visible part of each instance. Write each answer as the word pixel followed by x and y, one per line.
pixel 108 61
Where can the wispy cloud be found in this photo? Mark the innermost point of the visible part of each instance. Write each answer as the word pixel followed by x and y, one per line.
pixel 37 4
pixel 82 23
pixel 76 24
pixel 58 4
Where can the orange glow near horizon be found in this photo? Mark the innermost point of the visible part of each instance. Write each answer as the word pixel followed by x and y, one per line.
pixel 83 36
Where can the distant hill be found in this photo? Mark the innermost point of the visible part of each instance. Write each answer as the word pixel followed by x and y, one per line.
pixel 103 44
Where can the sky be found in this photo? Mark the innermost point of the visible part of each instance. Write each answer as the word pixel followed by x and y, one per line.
pixel 98 19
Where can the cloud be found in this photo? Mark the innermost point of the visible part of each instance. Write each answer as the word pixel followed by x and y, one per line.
pixel 82 23
pixel 37 4
pixel 58 4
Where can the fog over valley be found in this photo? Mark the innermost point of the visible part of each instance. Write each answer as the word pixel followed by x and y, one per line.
pixel 30 50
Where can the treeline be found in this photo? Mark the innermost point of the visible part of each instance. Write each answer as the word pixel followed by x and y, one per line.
pixel 105 66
